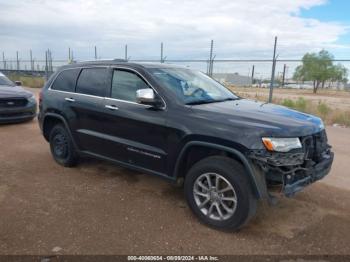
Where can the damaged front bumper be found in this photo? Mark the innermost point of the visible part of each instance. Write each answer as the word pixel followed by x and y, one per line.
pixel 312 174
pixel 293 171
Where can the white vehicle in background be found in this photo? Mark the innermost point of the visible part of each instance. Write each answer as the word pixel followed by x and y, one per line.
pixel 298 86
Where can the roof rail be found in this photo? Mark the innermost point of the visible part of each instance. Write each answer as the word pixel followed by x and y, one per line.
pixel 120 60
pixel 104 60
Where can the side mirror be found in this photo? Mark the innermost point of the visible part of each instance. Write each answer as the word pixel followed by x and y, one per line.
pixel 18 83
pixel 147 97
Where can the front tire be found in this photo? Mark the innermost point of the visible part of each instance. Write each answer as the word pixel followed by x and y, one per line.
pixel 62 148
pixel 218 191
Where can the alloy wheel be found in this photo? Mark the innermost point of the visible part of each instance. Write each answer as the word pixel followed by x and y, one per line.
pixel 215 196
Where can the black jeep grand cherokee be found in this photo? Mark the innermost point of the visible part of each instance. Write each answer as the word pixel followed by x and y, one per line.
pixel 182 125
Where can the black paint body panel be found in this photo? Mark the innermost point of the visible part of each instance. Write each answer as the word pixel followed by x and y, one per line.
pixel 152 139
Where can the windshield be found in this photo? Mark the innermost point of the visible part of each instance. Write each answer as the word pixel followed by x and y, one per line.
pixel 192 87
pixel 4 81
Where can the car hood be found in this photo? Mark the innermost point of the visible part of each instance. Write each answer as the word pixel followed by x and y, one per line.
pixel 13 91
pixel 265 118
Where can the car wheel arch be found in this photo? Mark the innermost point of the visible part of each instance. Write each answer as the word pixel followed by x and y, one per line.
pixel 50 120
pixel 257 182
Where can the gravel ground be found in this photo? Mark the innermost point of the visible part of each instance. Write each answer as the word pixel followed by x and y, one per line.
pixel 99 208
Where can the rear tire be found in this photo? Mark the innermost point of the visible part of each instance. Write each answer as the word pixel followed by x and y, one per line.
pixel 219 193
pixel 62 148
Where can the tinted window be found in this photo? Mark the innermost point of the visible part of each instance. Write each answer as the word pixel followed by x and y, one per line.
pixel 93 81
pixel 125 84
pixel 66 80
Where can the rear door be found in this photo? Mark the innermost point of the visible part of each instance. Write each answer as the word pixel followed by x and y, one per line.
pixel 92 86
pixel 136 132
pixel 62 93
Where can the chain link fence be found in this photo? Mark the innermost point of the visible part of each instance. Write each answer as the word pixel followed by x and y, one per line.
pixel 243 73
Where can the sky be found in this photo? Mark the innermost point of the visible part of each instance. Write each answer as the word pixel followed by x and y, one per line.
pixel 241 29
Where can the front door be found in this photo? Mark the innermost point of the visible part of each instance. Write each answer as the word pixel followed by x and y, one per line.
pixel 136 132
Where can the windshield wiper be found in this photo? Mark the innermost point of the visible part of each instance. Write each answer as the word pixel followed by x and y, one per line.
pixel 210 101
pixel 200 102
pixel 228 99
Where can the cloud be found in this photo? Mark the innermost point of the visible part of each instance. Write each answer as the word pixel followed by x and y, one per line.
pixel 240 28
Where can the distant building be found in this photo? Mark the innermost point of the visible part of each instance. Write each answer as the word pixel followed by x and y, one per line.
pixel 233 79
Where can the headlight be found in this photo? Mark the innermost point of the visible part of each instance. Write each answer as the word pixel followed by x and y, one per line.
pixel 32 99
pixel 281 144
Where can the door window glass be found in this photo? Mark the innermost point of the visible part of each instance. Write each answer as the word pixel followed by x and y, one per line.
pixel 93 81
pixel 125 84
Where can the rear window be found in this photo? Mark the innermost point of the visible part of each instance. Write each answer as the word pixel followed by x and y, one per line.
pixel 94 81
pixel 66 80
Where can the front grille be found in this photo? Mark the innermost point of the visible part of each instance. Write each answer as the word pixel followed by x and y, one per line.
pixel 15 114
pixel 13 102
pixel 315 145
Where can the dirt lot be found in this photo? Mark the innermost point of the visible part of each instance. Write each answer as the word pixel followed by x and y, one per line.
pixel 98 208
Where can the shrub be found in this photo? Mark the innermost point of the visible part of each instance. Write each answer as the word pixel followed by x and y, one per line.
pixel 323 109
pixel 301 104
pixel 288 103
pixel 341 117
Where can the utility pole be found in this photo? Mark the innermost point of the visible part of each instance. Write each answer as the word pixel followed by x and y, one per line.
pixel 284 74
pixel 273 70
pixel 210 73
pixel 126 52
pixel 51 66
pixel 46 66
pixel 253 71
pixel 95 53
pixel 3 60
pixel 161 53
pixel 31 60
pixel 48 61
pixel 17 60
pixel 69 58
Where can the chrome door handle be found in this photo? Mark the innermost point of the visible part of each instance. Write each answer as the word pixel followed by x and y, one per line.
pixel 111 107
pixel 69 99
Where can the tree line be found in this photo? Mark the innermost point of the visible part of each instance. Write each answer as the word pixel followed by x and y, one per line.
pixel 319 68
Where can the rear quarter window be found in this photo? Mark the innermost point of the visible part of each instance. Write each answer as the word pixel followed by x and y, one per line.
pixel 94 81
pixel 66 80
